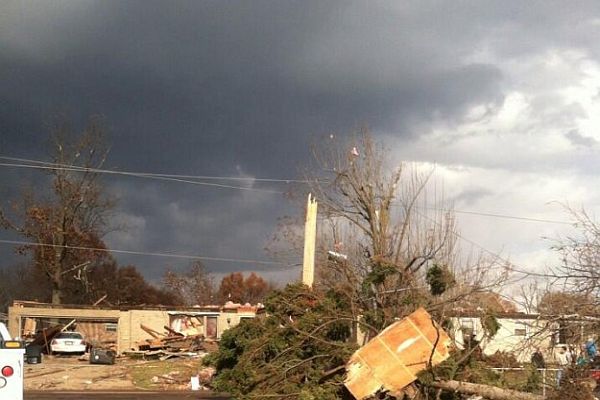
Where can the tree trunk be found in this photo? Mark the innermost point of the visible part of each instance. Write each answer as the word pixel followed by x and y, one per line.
pixel 57 286
pixel 56 296
pixel 489 392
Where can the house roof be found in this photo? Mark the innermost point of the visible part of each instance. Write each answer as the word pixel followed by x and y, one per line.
pixel 229 307
pixel 522 316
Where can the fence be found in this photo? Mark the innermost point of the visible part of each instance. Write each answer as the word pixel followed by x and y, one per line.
pixel 548 376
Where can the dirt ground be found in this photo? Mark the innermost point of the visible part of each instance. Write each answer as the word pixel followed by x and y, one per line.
pixel 69 373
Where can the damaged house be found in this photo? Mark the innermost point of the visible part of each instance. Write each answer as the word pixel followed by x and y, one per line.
pixel 126 328
pixel 520 333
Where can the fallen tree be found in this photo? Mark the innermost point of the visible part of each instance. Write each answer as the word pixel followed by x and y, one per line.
pixel 300 349
pixel 486 391
pixel 296 351
pixel 389 260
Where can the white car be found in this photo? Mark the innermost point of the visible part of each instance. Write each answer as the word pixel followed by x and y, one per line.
pixel 68 342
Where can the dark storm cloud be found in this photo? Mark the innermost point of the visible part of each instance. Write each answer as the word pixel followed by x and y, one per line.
pixel 188 220
pixel 222 75
pixel 213 87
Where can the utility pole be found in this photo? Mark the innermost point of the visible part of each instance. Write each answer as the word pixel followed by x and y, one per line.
pixel 310 238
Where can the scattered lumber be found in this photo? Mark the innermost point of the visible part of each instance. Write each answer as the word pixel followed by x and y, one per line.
pixel 173 331
pixel 160 354
pixel 45 336
pixel 171 341
pixel 150 331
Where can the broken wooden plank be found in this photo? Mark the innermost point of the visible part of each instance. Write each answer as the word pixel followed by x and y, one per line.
pixel 173 331
pixel 46 335
pixel 151 332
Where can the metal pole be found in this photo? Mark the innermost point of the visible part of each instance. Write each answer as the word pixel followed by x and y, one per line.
pixel 544 383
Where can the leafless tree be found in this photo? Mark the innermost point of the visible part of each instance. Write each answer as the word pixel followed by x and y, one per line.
pixel 579 270
pixel 75 213
pixel 193 287
pixel 386 245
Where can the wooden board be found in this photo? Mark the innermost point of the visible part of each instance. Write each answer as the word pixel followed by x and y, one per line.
pixel 392 359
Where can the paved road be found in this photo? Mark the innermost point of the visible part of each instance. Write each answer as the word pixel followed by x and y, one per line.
pixel 121 395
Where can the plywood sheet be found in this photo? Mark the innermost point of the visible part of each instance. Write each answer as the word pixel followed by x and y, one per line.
pixel 392 359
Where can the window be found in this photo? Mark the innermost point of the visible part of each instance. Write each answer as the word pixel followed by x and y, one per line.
pixel 467 326
pixel 111 327
pixel 521 329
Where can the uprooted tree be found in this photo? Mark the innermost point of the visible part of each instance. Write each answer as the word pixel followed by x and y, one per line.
pixel 298 350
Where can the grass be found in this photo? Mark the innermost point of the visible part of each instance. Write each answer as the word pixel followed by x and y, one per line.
pixel 150 375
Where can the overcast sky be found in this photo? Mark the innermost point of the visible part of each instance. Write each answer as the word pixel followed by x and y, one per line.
pixel 502 97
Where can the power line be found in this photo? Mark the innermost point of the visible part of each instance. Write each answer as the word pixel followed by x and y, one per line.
pixel 204 177
pixel 143 253
pixel 520 269
pixel 506 216
pixel 495 215
pixel 139 175
pixel 185 179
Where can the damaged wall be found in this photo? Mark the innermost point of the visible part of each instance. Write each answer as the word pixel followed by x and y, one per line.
pixel 129 333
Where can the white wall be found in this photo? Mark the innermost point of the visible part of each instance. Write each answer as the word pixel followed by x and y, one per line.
pixel 517 336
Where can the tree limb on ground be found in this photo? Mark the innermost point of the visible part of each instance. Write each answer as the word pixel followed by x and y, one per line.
pixel 489 392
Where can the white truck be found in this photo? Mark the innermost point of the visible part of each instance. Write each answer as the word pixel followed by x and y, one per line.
pixel 11 366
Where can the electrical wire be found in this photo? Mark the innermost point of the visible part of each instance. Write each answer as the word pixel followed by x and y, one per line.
pixel 173 177
pixel 506 216
pixel 185 179
pixel 204 177
pixel 139 175
pixel 143 253
pixel 519 269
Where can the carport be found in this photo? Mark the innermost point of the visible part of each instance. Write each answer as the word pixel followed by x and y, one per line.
pixel 97 325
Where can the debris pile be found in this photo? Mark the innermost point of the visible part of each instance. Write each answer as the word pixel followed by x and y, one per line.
pixel 44 336
pixel 188 341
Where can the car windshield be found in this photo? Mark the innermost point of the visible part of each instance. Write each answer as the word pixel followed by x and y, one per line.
pixel 69 335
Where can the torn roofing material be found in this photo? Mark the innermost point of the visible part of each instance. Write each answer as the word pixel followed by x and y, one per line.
pixel 392 359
